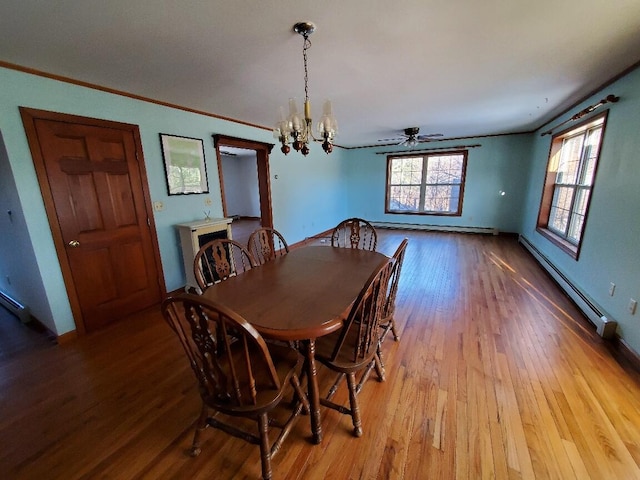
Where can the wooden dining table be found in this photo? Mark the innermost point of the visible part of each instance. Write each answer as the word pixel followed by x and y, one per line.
pixel 299 297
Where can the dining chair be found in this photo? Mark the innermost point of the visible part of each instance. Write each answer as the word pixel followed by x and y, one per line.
pixel 220 259
pixel 352 348
pixel 241 378
pixel 354 233
pixel 266 244
pixel 387 322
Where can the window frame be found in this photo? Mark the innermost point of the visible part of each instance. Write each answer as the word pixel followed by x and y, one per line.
pixel 425 156
pixel 549 187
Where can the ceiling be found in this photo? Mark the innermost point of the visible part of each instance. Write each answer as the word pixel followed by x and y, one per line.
pixel 456 67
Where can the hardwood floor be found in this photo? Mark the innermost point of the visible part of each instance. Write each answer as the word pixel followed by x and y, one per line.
pixel 496 375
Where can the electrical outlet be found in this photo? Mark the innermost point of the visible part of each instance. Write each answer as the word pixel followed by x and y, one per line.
pixel 158 206
pixel 632 306
pixel 612 289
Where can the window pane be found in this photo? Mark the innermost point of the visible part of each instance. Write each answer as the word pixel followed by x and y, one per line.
pixel 570 160
pixel 592 145
pixel 404 198
pixel 561 209
pixel 406 171
pixel 443 198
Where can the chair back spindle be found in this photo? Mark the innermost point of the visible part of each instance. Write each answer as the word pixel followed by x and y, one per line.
pixel 266 244
pixel 354 233
pixel 220 259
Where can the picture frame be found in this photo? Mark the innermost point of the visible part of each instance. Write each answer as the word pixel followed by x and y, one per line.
pixel 184 164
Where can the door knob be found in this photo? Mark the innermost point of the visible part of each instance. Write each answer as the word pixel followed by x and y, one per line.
pixel 74 243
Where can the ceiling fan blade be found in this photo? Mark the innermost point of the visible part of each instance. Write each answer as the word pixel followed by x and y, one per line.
pixel 396 139
pixel 428 138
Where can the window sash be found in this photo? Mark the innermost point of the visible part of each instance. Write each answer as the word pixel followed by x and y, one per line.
pixel 440 188
pixel 571 171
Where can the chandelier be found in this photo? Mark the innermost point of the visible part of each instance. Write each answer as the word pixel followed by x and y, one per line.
pixel 297 128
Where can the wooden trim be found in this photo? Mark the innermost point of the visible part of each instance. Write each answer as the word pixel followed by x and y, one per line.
pixel 593 92
pixel 463 179
pixel 67 337
pixel 262 150
pixel 93 86
pixel 623 353
pixel 29 117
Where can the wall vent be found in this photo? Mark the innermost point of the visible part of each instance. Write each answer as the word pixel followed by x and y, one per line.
pixel 15 307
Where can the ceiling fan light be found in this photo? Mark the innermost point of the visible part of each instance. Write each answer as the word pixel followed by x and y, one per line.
pixel 410 142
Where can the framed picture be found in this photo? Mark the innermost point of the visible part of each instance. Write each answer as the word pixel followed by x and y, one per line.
pixel 184 164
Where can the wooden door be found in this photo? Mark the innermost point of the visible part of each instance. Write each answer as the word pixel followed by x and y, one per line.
pixel 94 185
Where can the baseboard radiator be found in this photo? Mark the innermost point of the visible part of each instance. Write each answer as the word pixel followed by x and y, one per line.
pixel 436 228
pixel 15 307
pixel 605 326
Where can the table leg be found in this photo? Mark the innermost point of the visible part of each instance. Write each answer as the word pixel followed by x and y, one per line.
pixel 313 391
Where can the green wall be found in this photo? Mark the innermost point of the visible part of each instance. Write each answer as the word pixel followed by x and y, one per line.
pixel 308 195
pixel 611 242
pixel 498 164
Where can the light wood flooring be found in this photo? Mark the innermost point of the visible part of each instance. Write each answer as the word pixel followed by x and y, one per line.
pixel 496 376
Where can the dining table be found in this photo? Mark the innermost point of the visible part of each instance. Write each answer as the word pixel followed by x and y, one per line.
pixel 299 297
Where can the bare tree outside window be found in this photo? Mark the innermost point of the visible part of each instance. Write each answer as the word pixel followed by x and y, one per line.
pixel 427 184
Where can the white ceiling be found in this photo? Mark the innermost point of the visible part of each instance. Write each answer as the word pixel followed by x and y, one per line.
pixel 456 67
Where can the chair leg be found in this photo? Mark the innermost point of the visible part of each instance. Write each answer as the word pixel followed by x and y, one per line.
pixel 396 337
pixel 377 360
pixel 265 450
pixel 353 401
pixel 201 425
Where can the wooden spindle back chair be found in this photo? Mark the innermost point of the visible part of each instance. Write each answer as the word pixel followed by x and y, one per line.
pixel 238 376
pixel 387 322
pixel 355 233
pixel 355 346
pixel 220 259
pixel 265 244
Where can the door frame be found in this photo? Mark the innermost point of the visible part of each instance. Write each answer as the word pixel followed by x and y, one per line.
pixel 264 180
pixel 29 117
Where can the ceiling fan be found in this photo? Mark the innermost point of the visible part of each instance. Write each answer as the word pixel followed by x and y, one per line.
pixel 410 138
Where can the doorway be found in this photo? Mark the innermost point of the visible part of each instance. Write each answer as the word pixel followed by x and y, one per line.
pixel 94 186
pixel 247 168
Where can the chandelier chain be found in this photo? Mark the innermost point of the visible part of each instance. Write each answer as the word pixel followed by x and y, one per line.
pixel 305 47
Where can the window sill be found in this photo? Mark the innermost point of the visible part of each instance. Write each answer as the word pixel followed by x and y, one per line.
pixel 569 248
pixel 432 214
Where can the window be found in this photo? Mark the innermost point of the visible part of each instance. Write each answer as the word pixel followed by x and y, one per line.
pixel 428 184
pixel 567 190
